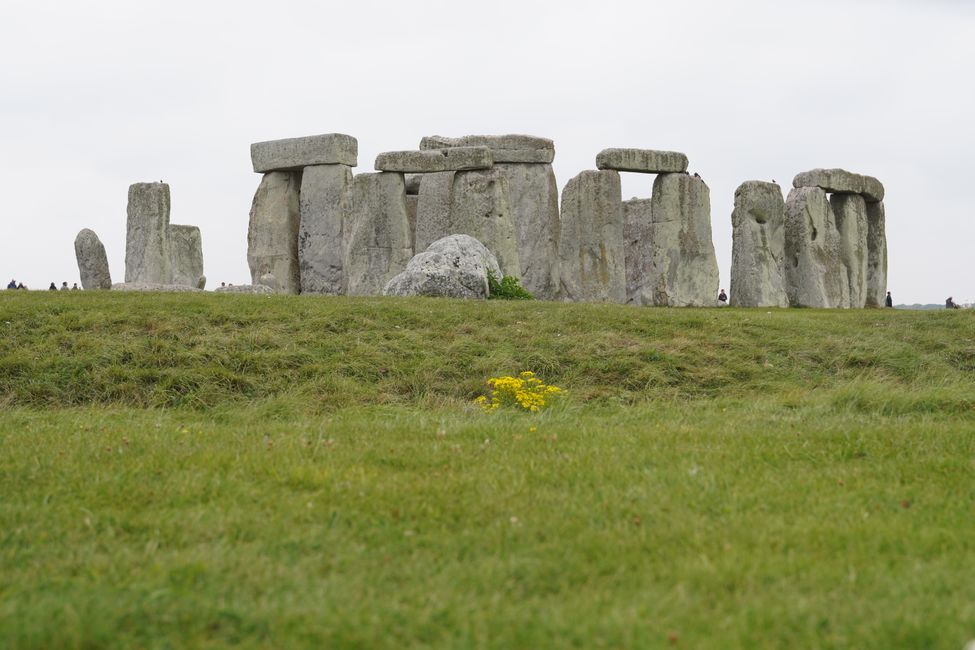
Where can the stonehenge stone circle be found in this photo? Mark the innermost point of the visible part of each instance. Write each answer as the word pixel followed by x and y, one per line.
pixel 684 269
pixel 325 204
pixel 453 267
pixel 876 291
pixel 147 258
pixel 92 261
pixel 840 181
pixel 435 160
pixel 186 256
pixel 644 161
pixel 758 246
pixel 512 148
pixel 378 241
pixel 591 253
pixel 638 249
pixel 272 234
pixel 296 153
pixel 815 276
pixel 850 212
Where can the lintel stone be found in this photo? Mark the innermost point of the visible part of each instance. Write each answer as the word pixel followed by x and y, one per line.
pixel 510 148
pixel 435 160
pixel 296 153
pixel 643 161
pixel 840 181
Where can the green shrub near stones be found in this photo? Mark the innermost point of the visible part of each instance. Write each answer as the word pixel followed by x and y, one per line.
pixel 508 288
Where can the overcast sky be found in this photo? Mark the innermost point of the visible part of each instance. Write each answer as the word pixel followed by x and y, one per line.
pixel 100 94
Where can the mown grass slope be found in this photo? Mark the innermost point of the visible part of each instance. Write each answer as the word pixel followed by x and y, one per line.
pixel 237 471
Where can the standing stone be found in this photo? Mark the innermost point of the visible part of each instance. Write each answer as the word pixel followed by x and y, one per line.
pixel 325 204
pixel 272 235
pixel 378 242
pixel 474 203
pixel 92 261
pixel 147 257
pixel 850 212
pixel 638 249
pixel 840 181
pixel 814 274
pixel 592 261
pixel 186 256
pixel 876 291
pixel 758 246
pixel 534 196
pixel 684 272
pixel 268 280
pixel 412 206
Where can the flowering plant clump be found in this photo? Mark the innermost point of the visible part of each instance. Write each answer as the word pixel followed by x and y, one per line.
pixel 525 392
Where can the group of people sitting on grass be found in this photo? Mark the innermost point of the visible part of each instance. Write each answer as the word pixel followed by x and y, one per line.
pixel 13 284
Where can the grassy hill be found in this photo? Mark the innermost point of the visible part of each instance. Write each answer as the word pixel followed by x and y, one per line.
pixel 251 471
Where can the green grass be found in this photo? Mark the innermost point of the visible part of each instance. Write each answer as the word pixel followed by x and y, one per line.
pixel 212 471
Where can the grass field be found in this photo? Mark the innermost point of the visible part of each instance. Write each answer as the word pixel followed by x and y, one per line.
pixel 208 471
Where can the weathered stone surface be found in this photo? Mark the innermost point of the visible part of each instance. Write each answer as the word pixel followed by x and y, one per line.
pixel 840 181
pixel 325 205
pixel 684 269
pixel 814 274
pixel 154 286
pixel 259 289
pixel 475 203
pixel 592 261
pixel 186 256
pixel 453 267
pixel 758 246
pixel 638 249
pixel 92 261
pixel 510 148
pixel 272 234
pixel 378 244
pixel 413 184
pixel 644 161
pixel 269 281
pixel 295 153
pixel 435 160
pixel 533 193
pixel 412 204
pixel 876 255
pixel 850 212
pixel 147 257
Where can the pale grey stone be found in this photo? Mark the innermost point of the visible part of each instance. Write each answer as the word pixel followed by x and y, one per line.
pixel 272 234
pixel 876 254
pixel 147 258
pixel 92 261
pixel 534 198
pixel 260 289
pixel 453 267
pixel 840 181
pixel 644 161
pixel 758 246
pixel 325 205
pixel 814 274
pixel 271 282
pixel 510 148
pixel 412 205
pixel 638 249
pixel 475 203
pixel 413 184
pixel 435 160
pixel 684 269
pixel 186 256
pixel 378 244
pixel 154 286
pixel 850 212
pixel 592 261
pixel 202 282
pixel 296 153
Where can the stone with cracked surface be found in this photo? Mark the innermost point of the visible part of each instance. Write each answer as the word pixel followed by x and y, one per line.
pixel 643 161
pixel 260 289
pixel 638 249
pixel 325 204
pixel 850 212
pixel 378 240
pixel 147 257
pixel 272 233
pixel 92 261
pixel 592 261
pixel 758 246
pixel 814 274
pixel 294 154
pixel 154 286
pixel 452 267
pixel 876 292
pixel 840 181
pixel 186 256
pixel 511 148
pixel 435 160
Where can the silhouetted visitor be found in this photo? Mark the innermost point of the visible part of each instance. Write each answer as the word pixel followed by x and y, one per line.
pixel 950 303
pixel 75 287
pixel 888 301
pixel 22 286
pixel 64 286
pixel 53 287
pixel 723 297
pixel 12 285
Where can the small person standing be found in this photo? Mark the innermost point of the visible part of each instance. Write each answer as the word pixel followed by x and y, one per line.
pixel 888 301
pixel 722 298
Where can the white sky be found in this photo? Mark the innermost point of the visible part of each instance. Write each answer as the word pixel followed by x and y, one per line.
pixel 99 94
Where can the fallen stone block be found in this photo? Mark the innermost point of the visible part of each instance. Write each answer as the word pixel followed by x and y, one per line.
pixel 325 203
pixel 453 267
pixel 814 274
pixel 92 261
pixel 296 153
pixel 758 246
pixel 153 286
pixel 378 242
pixel 644 161
pixel 435 160
pixel 272 232
pixel 259 289
pixel 840 181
